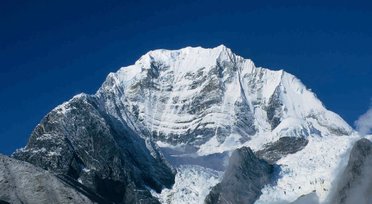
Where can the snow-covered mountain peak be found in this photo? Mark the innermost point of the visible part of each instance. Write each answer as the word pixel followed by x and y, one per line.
pixel 198 105
pixel 184 61
pixel 187 59
pixel 214 100
pixel 187 51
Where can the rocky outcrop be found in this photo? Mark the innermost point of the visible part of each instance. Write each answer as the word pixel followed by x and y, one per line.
pixel 274 109
pixel 81 142
pixel 21 182
pixel 243 179
pixel 355 183
pixel 272 152
pixel 310 198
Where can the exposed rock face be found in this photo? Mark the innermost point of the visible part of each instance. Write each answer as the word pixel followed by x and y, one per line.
pixel 80 141
pixel 272 152
pixel 21 182
pixel 243 179
pixel 355 185
pixel 310 198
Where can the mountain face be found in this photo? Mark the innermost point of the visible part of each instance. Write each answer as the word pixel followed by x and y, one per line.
pixel 355 183
pixel 186 111
pixel 243 179
pixel 21 182
pixel 213 100
pixel 80 141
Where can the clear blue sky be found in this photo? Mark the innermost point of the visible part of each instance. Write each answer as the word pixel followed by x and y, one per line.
pixel 52 50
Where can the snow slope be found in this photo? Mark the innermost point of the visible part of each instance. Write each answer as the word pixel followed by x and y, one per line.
pixel 192 185
pixel 312 169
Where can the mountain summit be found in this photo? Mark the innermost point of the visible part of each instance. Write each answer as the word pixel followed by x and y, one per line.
pixel 164 129
pixel 213 100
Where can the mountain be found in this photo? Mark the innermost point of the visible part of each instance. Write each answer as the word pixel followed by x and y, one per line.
pixel 80 141
pixel 355 182
pixel 243 179
pixel 21 182
pixel 213 100
pixel 164 128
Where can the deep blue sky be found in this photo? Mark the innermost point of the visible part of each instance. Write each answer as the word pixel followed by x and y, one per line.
pixel 52 50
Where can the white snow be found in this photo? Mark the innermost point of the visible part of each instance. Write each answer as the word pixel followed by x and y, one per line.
pixel 213 146
pixel 192 185
pixel 45 136
pixel 64 108
pixel 38 150
pixel 369 137
pixel 311 169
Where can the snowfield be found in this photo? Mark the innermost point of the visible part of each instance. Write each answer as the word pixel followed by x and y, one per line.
pixel 192 185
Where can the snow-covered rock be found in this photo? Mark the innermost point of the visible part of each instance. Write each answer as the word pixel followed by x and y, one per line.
pixel 210 101
pixel 194 105
pixel 214 100
pixel 80 141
